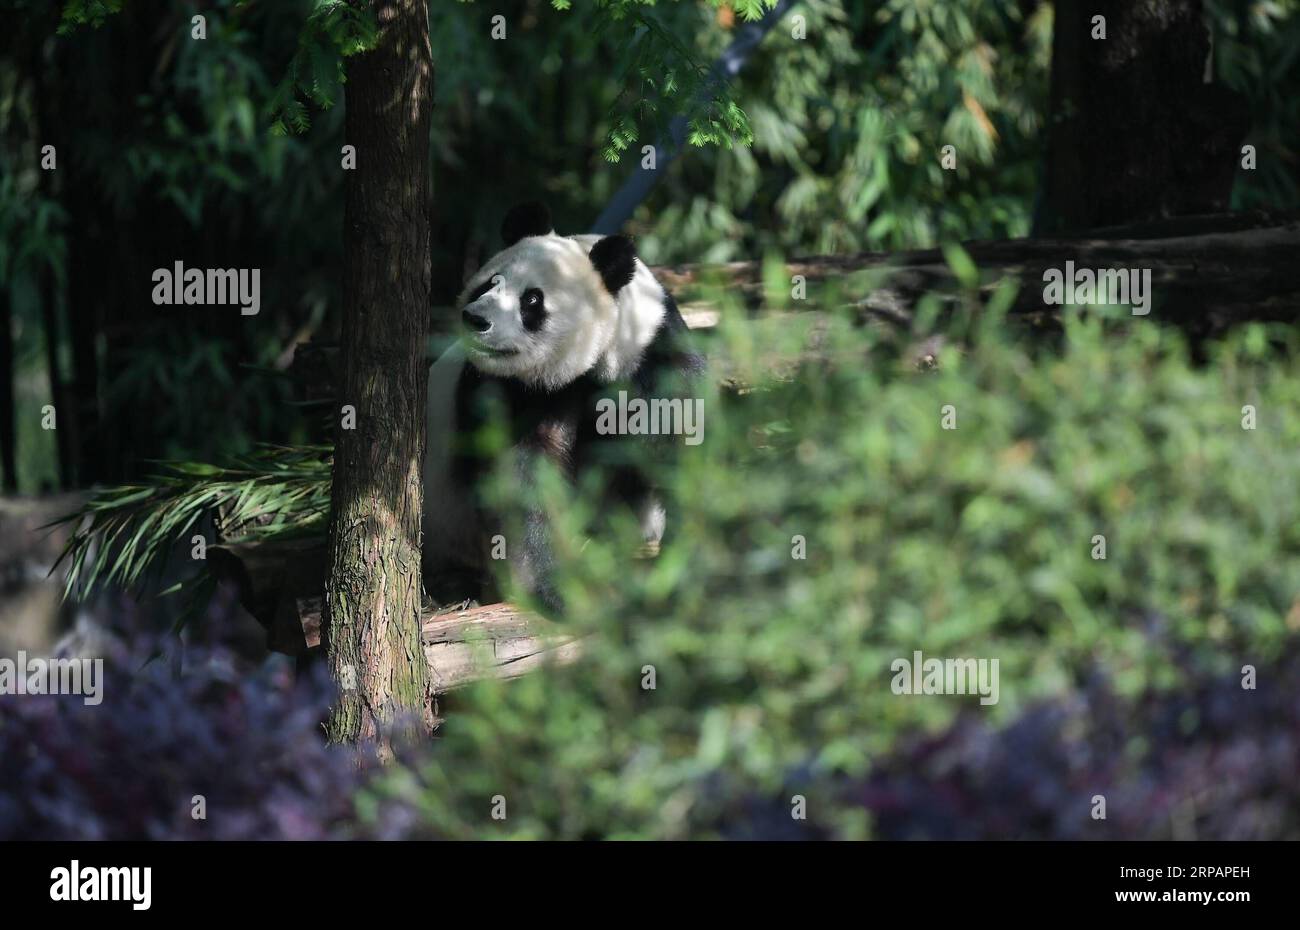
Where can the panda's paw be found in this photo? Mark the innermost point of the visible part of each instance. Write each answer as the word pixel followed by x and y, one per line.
pixel 550 599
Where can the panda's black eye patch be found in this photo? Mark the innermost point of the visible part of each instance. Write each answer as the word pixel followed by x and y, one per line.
pixel 532 309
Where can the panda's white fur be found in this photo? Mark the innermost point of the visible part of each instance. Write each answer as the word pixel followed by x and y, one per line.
pixel 450 524
pixel 586 330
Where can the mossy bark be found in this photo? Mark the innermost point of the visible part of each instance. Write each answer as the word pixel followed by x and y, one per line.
pixel 372 595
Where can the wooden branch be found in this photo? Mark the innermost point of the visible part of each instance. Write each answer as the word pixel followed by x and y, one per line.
pixel 464 645
pixel 29 542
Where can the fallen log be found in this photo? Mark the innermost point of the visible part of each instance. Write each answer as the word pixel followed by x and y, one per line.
pixel 31 608
pixel 1208 272
pixel 466 644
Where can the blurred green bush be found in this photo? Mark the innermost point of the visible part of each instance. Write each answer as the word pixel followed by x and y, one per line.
pixel 772 673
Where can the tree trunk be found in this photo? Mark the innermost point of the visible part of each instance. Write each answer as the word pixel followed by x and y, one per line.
pixel 84 317
pixel 1137 131
pixel 46 281
pixel 73 106
pixel 8 444
pixel 50 317
pixel 372 595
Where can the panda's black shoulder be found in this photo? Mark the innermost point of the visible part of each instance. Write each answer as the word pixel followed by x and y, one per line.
pixel 480 396
pixel 669 358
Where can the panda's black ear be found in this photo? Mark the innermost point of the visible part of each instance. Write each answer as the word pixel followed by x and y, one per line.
pixel 615 259
pixel 526 219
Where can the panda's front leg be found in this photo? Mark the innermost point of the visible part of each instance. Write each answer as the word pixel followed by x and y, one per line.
pixel 533 565
pixel 532 559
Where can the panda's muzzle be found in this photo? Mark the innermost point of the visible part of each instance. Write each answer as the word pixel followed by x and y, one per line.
pixel 475 322
pixel 496 353
pixel 479 326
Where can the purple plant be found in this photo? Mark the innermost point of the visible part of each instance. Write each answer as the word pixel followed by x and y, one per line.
pixel 133 766
pixel 1214 762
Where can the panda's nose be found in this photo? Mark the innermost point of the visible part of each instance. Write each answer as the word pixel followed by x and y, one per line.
pixel 475 322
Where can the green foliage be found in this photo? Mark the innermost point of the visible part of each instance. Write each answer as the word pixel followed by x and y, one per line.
pixel 334 30
pixel 90 13
pixel 29 229
pixel 180 157
pixel 969 542
pixel 1256 49
pixel 201 134
pixel 124 535
pixel 662 78
pixel 849 122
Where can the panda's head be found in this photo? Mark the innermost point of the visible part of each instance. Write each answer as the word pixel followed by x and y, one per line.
pixel 544 310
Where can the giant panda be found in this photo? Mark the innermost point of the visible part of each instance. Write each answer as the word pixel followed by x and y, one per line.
pixel 548 326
